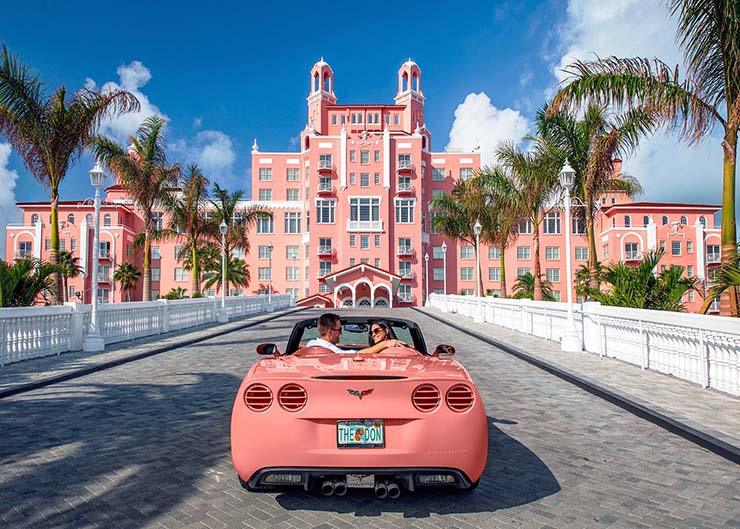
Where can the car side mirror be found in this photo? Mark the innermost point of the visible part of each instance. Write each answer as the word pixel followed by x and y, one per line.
pixel 268 349
pixel 443 350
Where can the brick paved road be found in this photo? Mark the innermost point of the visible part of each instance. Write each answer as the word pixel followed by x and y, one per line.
pixel 147 445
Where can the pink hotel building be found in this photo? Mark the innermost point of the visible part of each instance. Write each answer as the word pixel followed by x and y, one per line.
pixel 351 218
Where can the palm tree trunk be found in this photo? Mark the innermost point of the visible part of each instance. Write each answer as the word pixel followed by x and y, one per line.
pixel 728 304
pixel 503 271
pixel 54 255
pixel 593 280
pixel 194 287
pixel 66 289
pixel 147 267
pixel 537 294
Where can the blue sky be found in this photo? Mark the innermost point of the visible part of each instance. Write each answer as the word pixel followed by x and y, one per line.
pixel 234 71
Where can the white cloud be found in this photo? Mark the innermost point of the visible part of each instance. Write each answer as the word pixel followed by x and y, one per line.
pixel 212 150
pixel 9 212
pixel 667 169
pixel 479 123
pixel 132 78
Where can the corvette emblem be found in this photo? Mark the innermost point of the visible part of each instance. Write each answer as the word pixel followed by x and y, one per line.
pixel 360 393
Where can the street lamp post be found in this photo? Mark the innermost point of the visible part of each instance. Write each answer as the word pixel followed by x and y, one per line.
pixel 295 278
pixel 477 228
pixel 223 228
pixel 571 342
pixel 444 272
pixel 94 340
pixel 269 292
pixel 426 276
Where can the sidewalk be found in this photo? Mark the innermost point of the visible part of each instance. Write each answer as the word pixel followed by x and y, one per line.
pixel 32 374
pixel 710 414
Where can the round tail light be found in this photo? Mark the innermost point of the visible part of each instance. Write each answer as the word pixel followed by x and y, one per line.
pixel 258 397
pixel 292 397
pixel 425 397
pixel 460 398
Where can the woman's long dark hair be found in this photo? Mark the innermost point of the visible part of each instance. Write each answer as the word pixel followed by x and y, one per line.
pixel 389 334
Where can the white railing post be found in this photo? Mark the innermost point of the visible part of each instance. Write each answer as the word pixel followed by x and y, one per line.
pixel 704 359
pixel 643 346
pixel 3 343
pixel 76 326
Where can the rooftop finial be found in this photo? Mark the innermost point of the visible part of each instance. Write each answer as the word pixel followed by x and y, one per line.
pixel 255 147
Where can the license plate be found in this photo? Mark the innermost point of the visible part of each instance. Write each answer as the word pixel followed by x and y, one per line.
pixel 360 481
pixel 360 434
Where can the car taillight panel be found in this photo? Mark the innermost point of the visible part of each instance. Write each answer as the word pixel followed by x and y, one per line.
pixel 426 397
pixel 258 397
pixel 460 398
pixel 292 397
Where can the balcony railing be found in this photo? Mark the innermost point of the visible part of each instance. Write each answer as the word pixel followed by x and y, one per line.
pixel 323 273
pixel 405 166
pixel 713 257
pixel 103 278
pixel 405 250
pixel 633 256
pixel 326 250
pixel 326 188
pixel 406 298
pixel 105 254
pixel 404 187
pixel 406 274
pixel 23 255
pixel 714 306
pixel 365 225
pixel 326 166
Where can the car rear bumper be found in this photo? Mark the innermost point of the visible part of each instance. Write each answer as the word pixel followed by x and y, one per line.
pixel 409 478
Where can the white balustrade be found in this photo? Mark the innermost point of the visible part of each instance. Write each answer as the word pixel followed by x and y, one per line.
pixel 33 332
pixel 694 347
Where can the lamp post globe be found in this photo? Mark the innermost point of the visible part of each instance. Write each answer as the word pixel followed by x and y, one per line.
pixel 477 229
pixel 222 316
pixel 571 341
pixel 94 340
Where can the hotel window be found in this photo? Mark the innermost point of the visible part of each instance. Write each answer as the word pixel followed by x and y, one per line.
pixel 438 193
pixel 364 179
pixel 237 253
pixel 103 295
pixel 523 253
pixel 684 220
pixel 432 229
pixel 552 253
pixel 466 252
pixel 352 241
pixel 377 156
pixel 494 252
pixel 291 252
pixel 265 174
pixel 155 274
pixel 676 248
pixel 352 261
pixel 551 223
pixel 293 175
pixel 181 274
pixel 377 241
pixel 665 220
pixel 578 225
pixel 35 218
pixel 364 157
pixel 553 275
pixel 73 244
pixel 465 173
pixel 404 245
pixel 691 296
pixel 438 174
pixel 405 211
pixel 689 246
pixel 72 291
pixel 325 211
pixel 106 220
pixel 291 273
pixel 524 226
pixel 364 209
pixel 265 195
pixel 581 253
pixel 404 269
pixel 158 219
pixel 703 221
pixel 292 222
pixel 155 252
pixel 24 249
pixel 690 271
pixel 325 161
pixel 353 118
pixel 605 251
pixel 70 219
pixel 662 245
pixel 395 119
pixel 377 262
pixel 333 119
pixel 404 160
pixel 264 251
pixel 265 224
pixel 467 292
pixel 404 293
pixel 364 242
pixel 178 249
pixel 344 121
pixel 359 118
pixel 713 253
pixel 387 119
pixel 494 274
pixel 630 250
pixel 627 221
pixel 438 274
pixel 377 179
pixel 324 268
pixel 324 288
pixel 522 272
pixel 62 245
pixel 264 273
pixel 293 195
pixel 352 179
pixel 437 252
pixel 88 219
pixel 466 274
pixel 365 260
pixel 47 244
pixel 352 156
pixel 556 295
pixel 645 220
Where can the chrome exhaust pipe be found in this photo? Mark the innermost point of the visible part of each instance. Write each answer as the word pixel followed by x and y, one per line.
pixel 340 488
pixel 394 491
pixel 327 488
pixel 381 490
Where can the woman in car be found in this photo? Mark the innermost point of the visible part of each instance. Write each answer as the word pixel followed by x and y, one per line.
pixel 380 331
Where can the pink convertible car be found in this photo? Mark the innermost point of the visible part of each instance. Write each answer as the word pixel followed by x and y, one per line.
pixel 393 421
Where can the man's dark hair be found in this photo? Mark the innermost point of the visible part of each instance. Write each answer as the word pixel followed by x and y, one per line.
pixel 326 322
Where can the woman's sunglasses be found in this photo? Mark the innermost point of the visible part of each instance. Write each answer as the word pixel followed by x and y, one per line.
pixel 376 330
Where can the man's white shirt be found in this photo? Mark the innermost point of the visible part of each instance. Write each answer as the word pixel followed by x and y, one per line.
pixel 320 342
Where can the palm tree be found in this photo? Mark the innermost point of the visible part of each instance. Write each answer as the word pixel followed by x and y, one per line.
pixel 50 132
pixel 239 221
pixel 639 287
pixel 532 186
pixel 726 277
pixel 188 210
pixel 24 281
pixel 70 268
pixel 176 293
pixel 524 288
pixel 143 172
pixel 127 275
pixel 591 145
pixel 237 273
pixel 709 35
pixel 503 214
